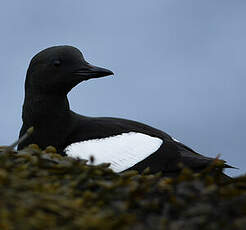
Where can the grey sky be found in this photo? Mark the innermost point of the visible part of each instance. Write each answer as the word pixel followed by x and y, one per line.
pixel 179 65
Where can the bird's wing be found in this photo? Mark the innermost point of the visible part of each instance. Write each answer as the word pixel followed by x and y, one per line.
pixel 121 151
pixel 165 157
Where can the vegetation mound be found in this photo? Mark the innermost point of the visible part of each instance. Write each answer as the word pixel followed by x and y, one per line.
pixel 44 190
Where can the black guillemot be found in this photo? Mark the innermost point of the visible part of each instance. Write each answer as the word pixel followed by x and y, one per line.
pixel 125 144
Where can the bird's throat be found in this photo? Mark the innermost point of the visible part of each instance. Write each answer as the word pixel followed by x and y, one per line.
pixel 42 108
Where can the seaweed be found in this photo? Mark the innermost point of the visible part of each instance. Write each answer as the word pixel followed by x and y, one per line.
pixel 41 189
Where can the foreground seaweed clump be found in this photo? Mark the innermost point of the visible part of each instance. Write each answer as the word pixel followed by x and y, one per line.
pixel 43 190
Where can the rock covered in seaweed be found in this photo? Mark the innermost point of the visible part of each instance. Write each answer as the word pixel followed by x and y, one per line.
pixel 44 190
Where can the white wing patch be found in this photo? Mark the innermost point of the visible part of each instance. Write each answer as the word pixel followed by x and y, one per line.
pixel 121 151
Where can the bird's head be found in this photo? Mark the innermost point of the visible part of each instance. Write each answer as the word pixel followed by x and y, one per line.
pixel 58 69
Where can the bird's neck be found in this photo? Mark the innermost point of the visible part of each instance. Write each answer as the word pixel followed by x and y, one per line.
pixel 42 107
pixel 50 117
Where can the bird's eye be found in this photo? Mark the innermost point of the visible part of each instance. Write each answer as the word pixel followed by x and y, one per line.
pixel 57 63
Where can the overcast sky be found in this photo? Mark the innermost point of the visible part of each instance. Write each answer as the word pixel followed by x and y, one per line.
pixel 179 65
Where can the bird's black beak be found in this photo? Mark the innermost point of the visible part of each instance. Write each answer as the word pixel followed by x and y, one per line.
pixel 90 71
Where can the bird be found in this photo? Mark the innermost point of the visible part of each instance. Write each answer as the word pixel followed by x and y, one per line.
pixel 125 144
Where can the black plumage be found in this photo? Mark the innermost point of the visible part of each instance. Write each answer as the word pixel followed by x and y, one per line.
pixel 51 75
